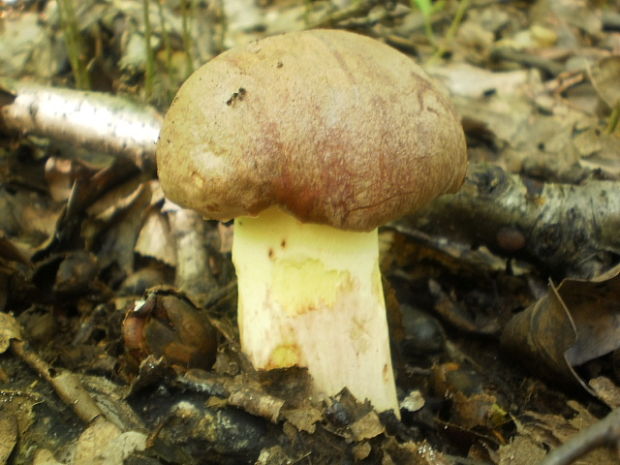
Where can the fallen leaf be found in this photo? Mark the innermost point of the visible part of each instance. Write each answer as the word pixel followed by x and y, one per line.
pixel 576 322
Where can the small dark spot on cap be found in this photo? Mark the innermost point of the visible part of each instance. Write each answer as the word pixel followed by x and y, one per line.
pixel 279 64
pixel 270 253
pixel 236 96
pixel 283 243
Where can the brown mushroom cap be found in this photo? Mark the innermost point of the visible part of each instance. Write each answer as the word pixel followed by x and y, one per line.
pixel 333 127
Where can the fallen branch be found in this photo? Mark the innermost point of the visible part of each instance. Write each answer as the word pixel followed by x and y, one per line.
pixel 92 120
pixel 568 230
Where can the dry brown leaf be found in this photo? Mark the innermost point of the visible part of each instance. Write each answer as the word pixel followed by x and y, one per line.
pixel 103 443
pixel 44 457
pixel 521 450
pixel 9 329
pixel 304 418
pixel 577 321
pixel 8 435
pixel 367 427
pixel 155 239
pixel 606 390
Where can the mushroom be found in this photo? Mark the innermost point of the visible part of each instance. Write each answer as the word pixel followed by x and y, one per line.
pixel 311 140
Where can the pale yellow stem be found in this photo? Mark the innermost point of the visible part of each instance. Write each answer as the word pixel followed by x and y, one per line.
pixel 311 296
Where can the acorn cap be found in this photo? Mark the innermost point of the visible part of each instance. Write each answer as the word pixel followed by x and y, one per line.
pixel 333 127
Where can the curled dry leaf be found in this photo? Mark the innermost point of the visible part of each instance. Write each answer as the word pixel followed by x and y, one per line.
pixel 155 239
pixel 576 322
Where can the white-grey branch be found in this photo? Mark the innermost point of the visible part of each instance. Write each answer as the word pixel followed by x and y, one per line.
pixel 92 120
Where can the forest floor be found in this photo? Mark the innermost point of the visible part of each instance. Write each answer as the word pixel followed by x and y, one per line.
pixel 502 298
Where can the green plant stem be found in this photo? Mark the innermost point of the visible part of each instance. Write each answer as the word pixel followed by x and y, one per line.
pixel 164 34
pixel 187 38
pixel 454 26
pixel 149 70
pixel 612 123
pixel 307 12
pixel 222 21
pixel 426 8
pixel 73 43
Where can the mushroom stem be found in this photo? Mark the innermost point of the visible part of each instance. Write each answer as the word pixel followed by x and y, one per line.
pixel 310 295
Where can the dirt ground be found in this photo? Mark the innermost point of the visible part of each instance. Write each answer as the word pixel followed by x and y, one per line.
pixel 118 309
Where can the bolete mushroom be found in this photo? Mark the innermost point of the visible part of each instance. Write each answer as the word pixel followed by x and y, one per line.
pixel 311 140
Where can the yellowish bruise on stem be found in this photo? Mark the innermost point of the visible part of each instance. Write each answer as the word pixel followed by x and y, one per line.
pixel 311 296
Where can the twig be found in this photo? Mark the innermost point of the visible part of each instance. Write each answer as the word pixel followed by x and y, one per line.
pixel 605 432
pixel 66 384
pixel 547 66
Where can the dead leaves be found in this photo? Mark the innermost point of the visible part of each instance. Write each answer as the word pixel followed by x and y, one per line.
pixel 576 322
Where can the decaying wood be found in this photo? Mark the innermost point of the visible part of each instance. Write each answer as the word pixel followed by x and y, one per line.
pixel 566 229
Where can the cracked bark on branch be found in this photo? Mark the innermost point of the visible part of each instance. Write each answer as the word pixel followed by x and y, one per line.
pixel 566 229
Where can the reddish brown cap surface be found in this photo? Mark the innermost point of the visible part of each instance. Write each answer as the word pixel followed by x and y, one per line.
pixel 334 127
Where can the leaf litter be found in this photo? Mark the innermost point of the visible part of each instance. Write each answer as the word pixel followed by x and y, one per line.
pixel 87 241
